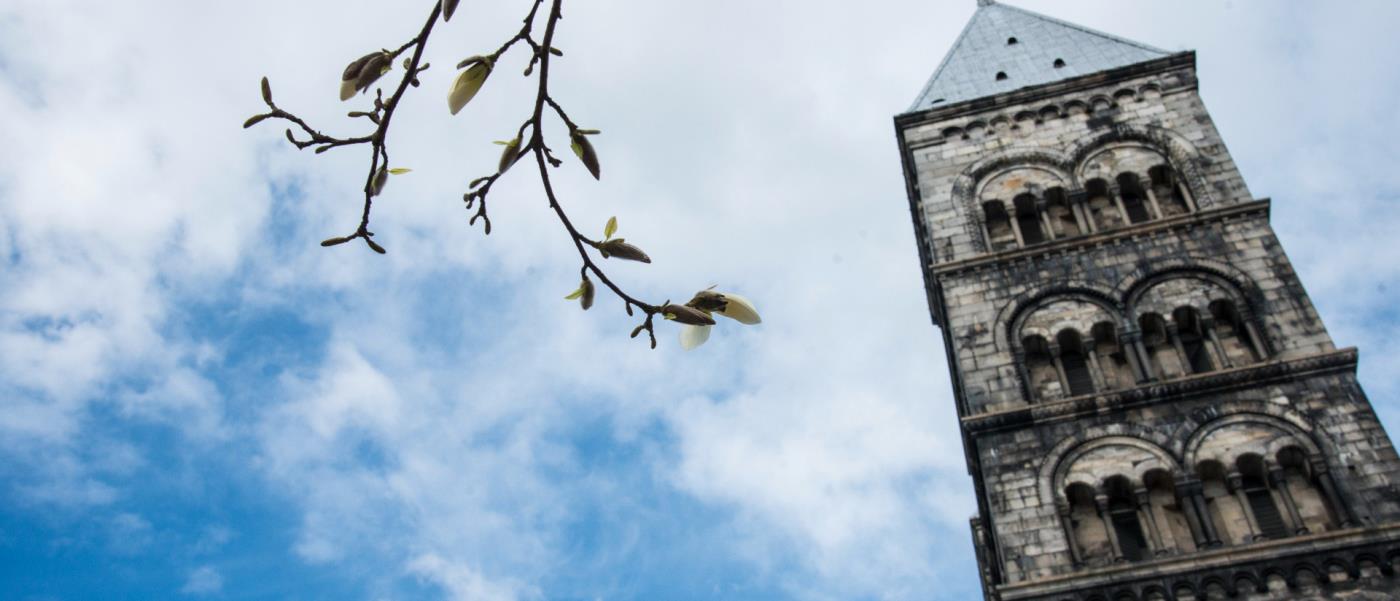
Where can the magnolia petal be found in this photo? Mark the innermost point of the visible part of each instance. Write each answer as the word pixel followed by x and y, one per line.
pixel 466 86
pixel 693 336
pixel 740 309
pixel 347 89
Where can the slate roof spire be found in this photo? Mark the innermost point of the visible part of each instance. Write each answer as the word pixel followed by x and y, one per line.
pixel 1004 48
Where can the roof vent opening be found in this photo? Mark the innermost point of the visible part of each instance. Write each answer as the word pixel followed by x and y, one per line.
pixel 936 101
pixel 1012 41
pixel 1059 63
pixel 1001 76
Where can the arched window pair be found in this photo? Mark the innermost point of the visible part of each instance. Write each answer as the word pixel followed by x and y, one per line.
pixel 1254 498
pixel 1124 521
pixel 1073 366
pixel 1194 344
pixel 1030 220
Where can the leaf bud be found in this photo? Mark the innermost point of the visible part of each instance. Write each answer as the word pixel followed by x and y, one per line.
pixel 619 248
pixel 374 245
pixel 448 7
pixel 254 120
pixel 336 240
pixel 584 149
pixel 376 185
pixel 509 155
pixel 266 91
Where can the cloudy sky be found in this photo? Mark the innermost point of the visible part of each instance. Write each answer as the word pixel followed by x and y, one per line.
pixel 197 401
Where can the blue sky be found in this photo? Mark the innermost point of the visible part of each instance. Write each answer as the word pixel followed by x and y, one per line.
pixel 197 402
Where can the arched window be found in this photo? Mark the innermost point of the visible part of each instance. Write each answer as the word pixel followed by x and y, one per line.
pixel 1028 219
pixel 1134 198
pixel 1062 217
pixel 1255 488
pixel 1086 525
pixel 1233 333
pixel 1222 508
pixel 1102 209
pixel 1123 515
pixel 1075 361
pixel 1040 369
pixel 1301 485
pixel 1193 339
pixel 1113 359
pixel 1160 353
pixel 1167 510
pixel 1169 191
pixel 999 234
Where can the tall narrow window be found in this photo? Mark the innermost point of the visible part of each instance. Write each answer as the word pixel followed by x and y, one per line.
pixel 1075 362
pixel 1040 368
pixel 1193 339
pixel 1134 199
pixel 1028 219
pixel 1161 356
pixel 1234 336
pixel 1122 510
pixel 1113 360
pixel 1261 500
pixel 1086 525
pixel 1312 505
pixel 999 234
pixel 1168 191
pixel 1101 207
pixel 1061 215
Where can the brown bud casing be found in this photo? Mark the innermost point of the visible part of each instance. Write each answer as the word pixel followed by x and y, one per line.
pixel 617 247
pixel 687 315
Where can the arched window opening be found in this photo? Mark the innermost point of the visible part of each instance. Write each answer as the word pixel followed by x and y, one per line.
pixel 1298 481
pixel 1161 355
pixel 1028 219
pixel 1076 363
pixel 1001 76
pixel 1233 333
pixel 1169 191
pixel 1123 515
pixel 1059 63
pixel 1086 526
pixel 1222 508
pixel 1192 336
pixel 1113 358
pixel 1168 512
pixel 1040 369
pixel 1254 485
pixel 999 233
pixel 1134 198
pixel 1012 41
pixel 1102 209
pixel 1062 218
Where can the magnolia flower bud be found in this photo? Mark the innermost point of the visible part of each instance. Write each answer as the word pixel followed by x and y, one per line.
pixel 374 68
pixel 351 75
pixel 584 149
pixel 727 304
pixel 509 155
pixel 376 185
pixel 687 315
pixel 467 84
pixel 586 301
pixel 619 248
pixel 448 7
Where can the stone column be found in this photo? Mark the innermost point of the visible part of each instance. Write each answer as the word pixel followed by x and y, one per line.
pixel 1101 504
pixel 1113 193
pixel 1329 489
pixel 1043 210
pixel 1078 202
pixel 1279 481
pixel 1217 350
pixel 1175 338
pixel 1189 490
pixel 1152 200
pixel 1096 370
pixel 1131 343
pixel 1256 344
pixel 1060 369
pixel 1186 194
pixel 1067 524
pixel 1148 518
pixel 1016 228
pixel 1236 484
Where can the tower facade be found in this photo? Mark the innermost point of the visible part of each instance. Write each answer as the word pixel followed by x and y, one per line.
pixel 1150 405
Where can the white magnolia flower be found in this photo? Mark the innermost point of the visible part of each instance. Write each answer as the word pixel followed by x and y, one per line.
pixel 729 305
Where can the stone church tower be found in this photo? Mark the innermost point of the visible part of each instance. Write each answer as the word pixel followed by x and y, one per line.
pixel 1150 405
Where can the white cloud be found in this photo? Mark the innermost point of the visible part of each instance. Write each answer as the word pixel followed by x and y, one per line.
pixel 204 580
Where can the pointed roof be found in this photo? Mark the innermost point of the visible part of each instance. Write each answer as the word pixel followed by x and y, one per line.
pixel 984 60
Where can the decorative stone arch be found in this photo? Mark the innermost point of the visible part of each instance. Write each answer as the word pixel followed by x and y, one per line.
pixel 1158 157
pixel 1296 430
pixel 1063 455
pixel 967 185
pixel 1181 154
pixel 1232 278
pixel 1013 313
pixel 1142 299
pixel 986 180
